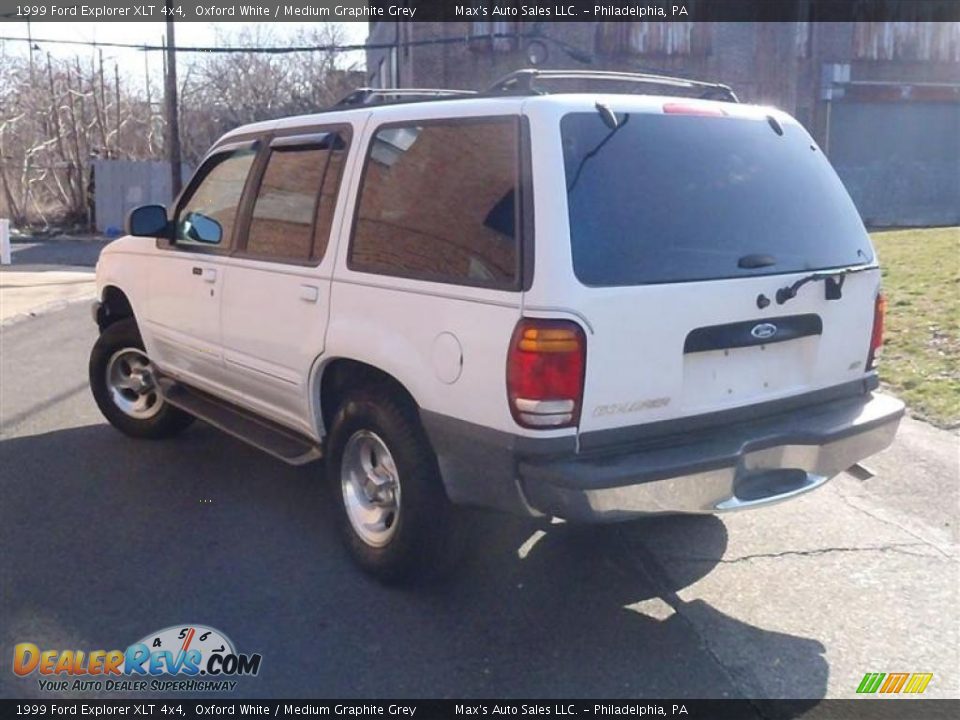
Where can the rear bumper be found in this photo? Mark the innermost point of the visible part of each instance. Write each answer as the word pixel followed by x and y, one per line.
pixel 717 469
pixel 748 465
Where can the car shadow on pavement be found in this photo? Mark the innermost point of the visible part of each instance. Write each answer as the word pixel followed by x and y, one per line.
pixel 106 539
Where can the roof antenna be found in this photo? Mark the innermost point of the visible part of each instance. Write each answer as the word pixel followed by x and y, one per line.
pixel 609 116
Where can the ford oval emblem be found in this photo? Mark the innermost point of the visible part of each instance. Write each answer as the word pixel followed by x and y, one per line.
pixel 764 331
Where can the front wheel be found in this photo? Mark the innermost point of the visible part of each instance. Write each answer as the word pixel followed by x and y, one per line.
pixel 392 511
pixel 123 383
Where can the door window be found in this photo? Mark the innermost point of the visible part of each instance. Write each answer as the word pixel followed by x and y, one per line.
pixel 293 212
pixel 207 217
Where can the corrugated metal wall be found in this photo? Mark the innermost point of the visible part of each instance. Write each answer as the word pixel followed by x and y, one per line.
pixel 653 38
pixel 910 41
pixel 121 185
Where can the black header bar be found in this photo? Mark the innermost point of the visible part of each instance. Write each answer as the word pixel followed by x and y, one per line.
pixel 482 10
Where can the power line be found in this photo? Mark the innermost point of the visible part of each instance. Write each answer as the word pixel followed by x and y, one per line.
pixel 306 48
pixel 234 49
pixel 223 49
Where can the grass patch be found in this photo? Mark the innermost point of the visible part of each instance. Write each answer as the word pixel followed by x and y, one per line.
pixel 920 361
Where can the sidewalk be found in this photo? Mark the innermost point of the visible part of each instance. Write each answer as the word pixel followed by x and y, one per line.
pixel 32 289
pixel 46 274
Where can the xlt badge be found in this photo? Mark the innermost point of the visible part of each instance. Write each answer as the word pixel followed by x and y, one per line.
pixel 630 407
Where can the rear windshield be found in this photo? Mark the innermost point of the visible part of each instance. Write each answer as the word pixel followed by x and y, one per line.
pixel 671 198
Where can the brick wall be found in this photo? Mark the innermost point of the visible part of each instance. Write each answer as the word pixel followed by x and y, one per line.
pixel 894 66
pixel 769 63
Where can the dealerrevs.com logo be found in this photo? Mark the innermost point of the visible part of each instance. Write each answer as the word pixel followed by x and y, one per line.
pixel 199 657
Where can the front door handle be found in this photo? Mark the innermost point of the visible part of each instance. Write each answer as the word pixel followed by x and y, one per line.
pixel 309 293
pixel 209 275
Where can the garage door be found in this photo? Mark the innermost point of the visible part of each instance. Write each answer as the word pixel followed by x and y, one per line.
pixel 900 161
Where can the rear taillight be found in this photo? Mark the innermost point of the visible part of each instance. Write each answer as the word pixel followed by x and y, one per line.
pixel 876 337
pixel 545 373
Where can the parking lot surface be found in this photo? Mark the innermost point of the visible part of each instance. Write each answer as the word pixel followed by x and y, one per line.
pixel 106 539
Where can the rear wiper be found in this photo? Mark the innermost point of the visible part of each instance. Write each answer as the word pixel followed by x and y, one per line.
pixel 611 121
pixel 833 279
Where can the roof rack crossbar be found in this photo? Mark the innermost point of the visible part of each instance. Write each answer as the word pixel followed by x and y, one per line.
pixel 381 96
pixel 523 82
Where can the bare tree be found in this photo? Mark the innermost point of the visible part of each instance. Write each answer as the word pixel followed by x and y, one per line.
pixel 52 127
pixel 221 91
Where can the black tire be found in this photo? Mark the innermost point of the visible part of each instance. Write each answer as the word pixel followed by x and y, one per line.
pixel 426 542
pixel 167 420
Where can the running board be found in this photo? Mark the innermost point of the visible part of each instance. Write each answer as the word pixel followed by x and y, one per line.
pixel 281 442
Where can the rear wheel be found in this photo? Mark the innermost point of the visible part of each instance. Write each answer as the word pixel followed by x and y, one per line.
pixel 393 514
pixel 123 382
pixel 370 488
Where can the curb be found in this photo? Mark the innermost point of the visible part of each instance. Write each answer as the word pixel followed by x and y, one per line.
pixel 46 309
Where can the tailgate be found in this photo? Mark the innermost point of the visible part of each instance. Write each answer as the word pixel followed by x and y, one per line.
pixel 669 351
pixel 686 225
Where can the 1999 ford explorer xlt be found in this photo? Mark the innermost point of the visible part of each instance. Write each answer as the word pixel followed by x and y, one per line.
pixel 586 305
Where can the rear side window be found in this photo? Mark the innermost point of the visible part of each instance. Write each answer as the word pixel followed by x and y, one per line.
pixel 671 198
pixel 438 202
pixel 207 217
pixel 293 211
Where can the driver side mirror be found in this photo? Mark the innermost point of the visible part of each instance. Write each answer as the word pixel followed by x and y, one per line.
pixel 148 221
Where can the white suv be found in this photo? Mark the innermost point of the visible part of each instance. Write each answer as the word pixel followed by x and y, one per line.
pixel 591 306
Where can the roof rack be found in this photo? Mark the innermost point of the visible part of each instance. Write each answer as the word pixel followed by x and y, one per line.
pixel 387 96
pixel 524 82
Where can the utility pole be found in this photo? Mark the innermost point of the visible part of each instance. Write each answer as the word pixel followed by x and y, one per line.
pixel 116 81
pixel 395 57
pixel 146 81
pixel 102 111
pixel 30 51
pixel 170 96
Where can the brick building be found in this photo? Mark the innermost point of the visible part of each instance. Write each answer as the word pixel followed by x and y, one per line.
pixel 881 98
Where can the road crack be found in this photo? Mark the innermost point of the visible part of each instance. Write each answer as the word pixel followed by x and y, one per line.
pixel 895 548
pixel 922 541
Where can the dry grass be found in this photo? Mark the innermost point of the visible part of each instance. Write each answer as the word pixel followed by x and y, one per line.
pixel 921 355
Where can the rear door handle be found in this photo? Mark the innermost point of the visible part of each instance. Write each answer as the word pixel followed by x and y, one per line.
pixel 209 275
pixel 309 293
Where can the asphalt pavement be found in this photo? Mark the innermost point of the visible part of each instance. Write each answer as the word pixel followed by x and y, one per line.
pixel 69 251
pixel 106 539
